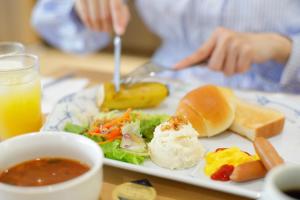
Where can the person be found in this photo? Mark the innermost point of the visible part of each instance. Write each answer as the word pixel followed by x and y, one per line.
pixel 246 44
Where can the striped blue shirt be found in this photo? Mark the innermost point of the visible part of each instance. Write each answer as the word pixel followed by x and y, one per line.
pixel 183 27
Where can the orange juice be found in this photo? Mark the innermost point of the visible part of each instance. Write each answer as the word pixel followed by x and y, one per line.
pixel 20 101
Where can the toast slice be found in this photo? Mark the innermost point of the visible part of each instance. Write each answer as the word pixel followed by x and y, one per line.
pixel 253 121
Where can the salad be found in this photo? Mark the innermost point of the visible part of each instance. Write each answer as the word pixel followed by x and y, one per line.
pixel 122 136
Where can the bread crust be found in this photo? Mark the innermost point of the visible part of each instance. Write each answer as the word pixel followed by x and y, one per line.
pixel 187 111
pixel 208 110
pixel 271 129
pixel 270 123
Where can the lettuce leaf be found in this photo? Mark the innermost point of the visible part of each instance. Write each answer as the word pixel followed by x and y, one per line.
pixel 113 151
pixel 74 128
pixel 149 122
pixel 81 130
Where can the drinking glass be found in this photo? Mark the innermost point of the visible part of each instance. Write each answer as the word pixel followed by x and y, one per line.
pixel 10 48
pixel 20 95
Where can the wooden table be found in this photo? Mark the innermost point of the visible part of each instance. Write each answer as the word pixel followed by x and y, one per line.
pixel 98 68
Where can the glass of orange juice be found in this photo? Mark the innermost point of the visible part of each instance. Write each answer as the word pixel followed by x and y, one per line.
pixel 10 48
pixel 20 95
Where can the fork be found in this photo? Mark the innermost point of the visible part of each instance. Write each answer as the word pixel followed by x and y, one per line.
pixel 146 70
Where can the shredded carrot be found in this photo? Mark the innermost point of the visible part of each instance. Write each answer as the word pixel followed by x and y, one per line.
pixel 113 134
pixel 124 118
pixel 94 131
pixel 116 138
pixel 113 127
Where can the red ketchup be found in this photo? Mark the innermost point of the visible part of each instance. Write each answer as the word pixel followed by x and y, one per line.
pixel 223 173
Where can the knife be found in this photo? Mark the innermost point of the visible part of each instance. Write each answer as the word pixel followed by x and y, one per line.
pixel 117 55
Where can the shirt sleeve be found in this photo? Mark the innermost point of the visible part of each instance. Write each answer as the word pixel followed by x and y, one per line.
pixel 58 23
pixel 291 73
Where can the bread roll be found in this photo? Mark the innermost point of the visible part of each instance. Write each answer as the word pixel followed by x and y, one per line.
pixel 210 109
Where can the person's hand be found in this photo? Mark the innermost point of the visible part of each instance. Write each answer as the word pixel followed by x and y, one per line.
pixel 103 15
pixel 233 52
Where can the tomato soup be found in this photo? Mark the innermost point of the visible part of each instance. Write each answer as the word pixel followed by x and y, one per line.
pixel 43 171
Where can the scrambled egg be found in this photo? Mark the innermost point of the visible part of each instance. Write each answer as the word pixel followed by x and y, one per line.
pixel 230 156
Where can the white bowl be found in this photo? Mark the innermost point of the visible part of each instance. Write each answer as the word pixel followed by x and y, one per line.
pixel 53 144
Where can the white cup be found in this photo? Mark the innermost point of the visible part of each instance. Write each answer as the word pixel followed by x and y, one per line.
pixel 282 178
pixel 53 144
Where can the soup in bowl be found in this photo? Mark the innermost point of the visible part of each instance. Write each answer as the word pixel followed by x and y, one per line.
pixel 50 165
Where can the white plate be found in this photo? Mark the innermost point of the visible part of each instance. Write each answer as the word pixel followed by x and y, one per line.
pixel 80 107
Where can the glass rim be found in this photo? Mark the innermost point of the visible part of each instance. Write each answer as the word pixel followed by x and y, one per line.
pixel 34 58
pixel 12 43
